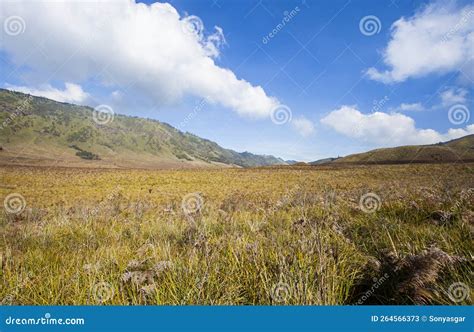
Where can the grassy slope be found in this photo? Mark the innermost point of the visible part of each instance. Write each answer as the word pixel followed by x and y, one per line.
pixel 461 149
pixel 40 131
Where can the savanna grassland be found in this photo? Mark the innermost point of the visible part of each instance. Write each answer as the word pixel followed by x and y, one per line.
pixel 291 235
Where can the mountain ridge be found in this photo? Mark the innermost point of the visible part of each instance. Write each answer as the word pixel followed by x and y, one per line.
pixel 40 131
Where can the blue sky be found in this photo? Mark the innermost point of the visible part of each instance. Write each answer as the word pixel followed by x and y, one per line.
pixel 316 66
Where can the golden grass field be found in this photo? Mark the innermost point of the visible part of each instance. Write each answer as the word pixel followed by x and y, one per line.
pixel 291 235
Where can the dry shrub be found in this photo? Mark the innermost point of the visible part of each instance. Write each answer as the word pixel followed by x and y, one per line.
pixel 407 280
pixel 142 276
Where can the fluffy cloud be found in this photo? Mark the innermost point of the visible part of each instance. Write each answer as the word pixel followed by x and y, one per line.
pixel 453 96
pixel 304 126
pixel 72 93
pixel 141 50
pixel 382 129
pixel 437 39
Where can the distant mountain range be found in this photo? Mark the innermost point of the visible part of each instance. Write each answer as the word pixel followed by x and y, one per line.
pixel 40 131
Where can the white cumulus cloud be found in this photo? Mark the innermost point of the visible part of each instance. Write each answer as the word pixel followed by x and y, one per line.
pixel 303 126
pixel 141 50
pixel 437 39
pixel 382 129
pixel 72 93
pixel 453 96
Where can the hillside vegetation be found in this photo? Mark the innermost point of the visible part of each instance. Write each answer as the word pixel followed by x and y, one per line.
pixel 458 150
pixel 39 131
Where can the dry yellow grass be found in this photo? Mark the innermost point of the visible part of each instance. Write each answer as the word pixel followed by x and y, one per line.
pixel 302 235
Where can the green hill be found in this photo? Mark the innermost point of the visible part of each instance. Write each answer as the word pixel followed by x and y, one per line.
pixel 40 131
pixel 461 149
